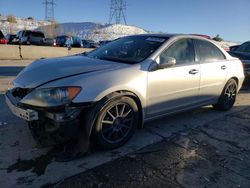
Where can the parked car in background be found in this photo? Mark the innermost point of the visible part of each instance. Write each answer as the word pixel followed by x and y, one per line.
pixel 3 40
pixel 62 41
pixel 113 90
pixel 90 44
pixel 77 42
pixel 11 39
pixel 48 42
pixel 233 48
pixel 243 53
pixel 28 37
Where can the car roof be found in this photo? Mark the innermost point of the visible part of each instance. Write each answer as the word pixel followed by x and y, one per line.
pixel 32 31
pixel 158 35
pixel 61 36
pixel 246 42
pixel 171 35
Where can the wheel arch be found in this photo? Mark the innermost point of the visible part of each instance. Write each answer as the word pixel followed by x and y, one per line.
pixel 237 81
pixel 235 78
pixel 93 112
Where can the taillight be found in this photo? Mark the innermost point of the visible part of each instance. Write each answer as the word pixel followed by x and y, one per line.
pixel 3 41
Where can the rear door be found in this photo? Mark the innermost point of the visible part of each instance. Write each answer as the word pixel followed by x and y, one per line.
pixel 174 88
pixel 213 67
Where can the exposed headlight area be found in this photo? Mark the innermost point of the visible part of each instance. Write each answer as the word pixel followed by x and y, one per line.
pixel 51 97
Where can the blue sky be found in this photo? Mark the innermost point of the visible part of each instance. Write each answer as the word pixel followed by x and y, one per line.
pixel 229 18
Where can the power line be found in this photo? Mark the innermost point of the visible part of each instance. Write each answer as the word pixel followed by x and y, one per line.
pixel 118 10
pixel 49 10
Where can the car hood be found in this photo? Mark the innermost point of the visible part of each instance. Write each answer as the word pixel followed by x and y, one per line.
pixel 46 70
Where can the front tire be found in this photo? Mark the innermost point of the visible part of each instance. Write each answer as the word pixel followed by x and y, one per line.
pixel 228 96
pixel 116 122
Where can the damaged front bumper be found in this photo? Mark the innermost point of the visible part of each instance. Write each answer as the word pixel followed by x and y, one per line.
pixel 49 125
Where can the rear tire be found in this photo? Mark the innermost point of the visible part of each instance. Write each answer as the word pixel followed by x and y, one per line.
pixel 228 96
pixel 115 123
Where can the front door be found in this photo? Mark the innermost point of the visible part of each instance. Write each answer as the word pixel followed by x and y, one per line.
pixel 176 87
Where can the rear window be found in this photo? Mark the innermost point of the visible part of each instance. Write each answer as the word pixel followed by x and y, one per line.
pixel 34 34
pixel 208 52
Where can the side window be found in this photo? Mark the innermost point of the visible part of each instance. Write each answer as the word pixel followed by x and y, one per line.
pixel 208 52
pixel 182 50
pixel 18 34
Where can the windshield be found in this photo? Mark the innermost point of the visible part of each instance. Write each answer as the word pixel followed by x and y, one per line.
pixel 133 49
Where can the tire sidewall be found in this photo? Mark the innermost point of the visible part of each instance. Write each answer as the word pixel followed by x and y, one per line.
pixel 97 134
pixel 221 103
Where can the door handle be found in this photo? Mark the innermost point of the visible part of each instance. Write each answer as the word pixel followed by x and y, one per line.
pixel 193 71
pixel 223 67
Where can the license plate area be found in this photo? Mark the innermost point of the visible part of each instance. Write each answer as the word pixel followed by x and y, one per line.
pixel 26 114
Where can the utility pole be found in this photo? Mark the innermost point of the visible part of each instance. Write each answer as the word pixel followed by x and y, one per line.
pixel 118 10
pixel 49 10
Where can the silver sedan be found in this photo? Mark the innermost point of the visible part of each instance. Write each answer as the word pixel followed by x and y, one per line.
pixel 109 92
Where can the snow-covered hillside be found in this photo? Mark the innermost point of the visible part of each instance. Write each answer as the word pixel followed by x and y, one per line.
pixel 96 31
pixel 85 30
pixel 21 23
pixel 111 32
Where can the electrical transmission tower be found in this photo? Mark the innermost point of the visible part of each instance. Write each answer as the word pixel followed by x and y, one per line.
pixel 49 10
pixel 118 11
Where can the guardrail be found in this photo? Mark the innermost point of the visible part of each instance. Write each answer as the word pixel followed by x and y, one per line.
pixel 15 52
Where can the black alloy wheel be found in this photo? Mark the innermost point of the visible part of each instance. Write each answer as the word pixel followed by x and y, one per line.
pixel 116 122
pixel 228 96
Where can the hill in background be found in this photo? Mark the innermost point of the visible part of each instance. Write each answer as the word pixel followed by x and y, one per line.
pixel 20 24
pixel 85 30
pixel 94 31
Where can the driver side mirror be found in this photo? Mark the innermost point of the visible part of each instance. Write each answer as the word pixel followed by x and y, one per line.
pixel 166 62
